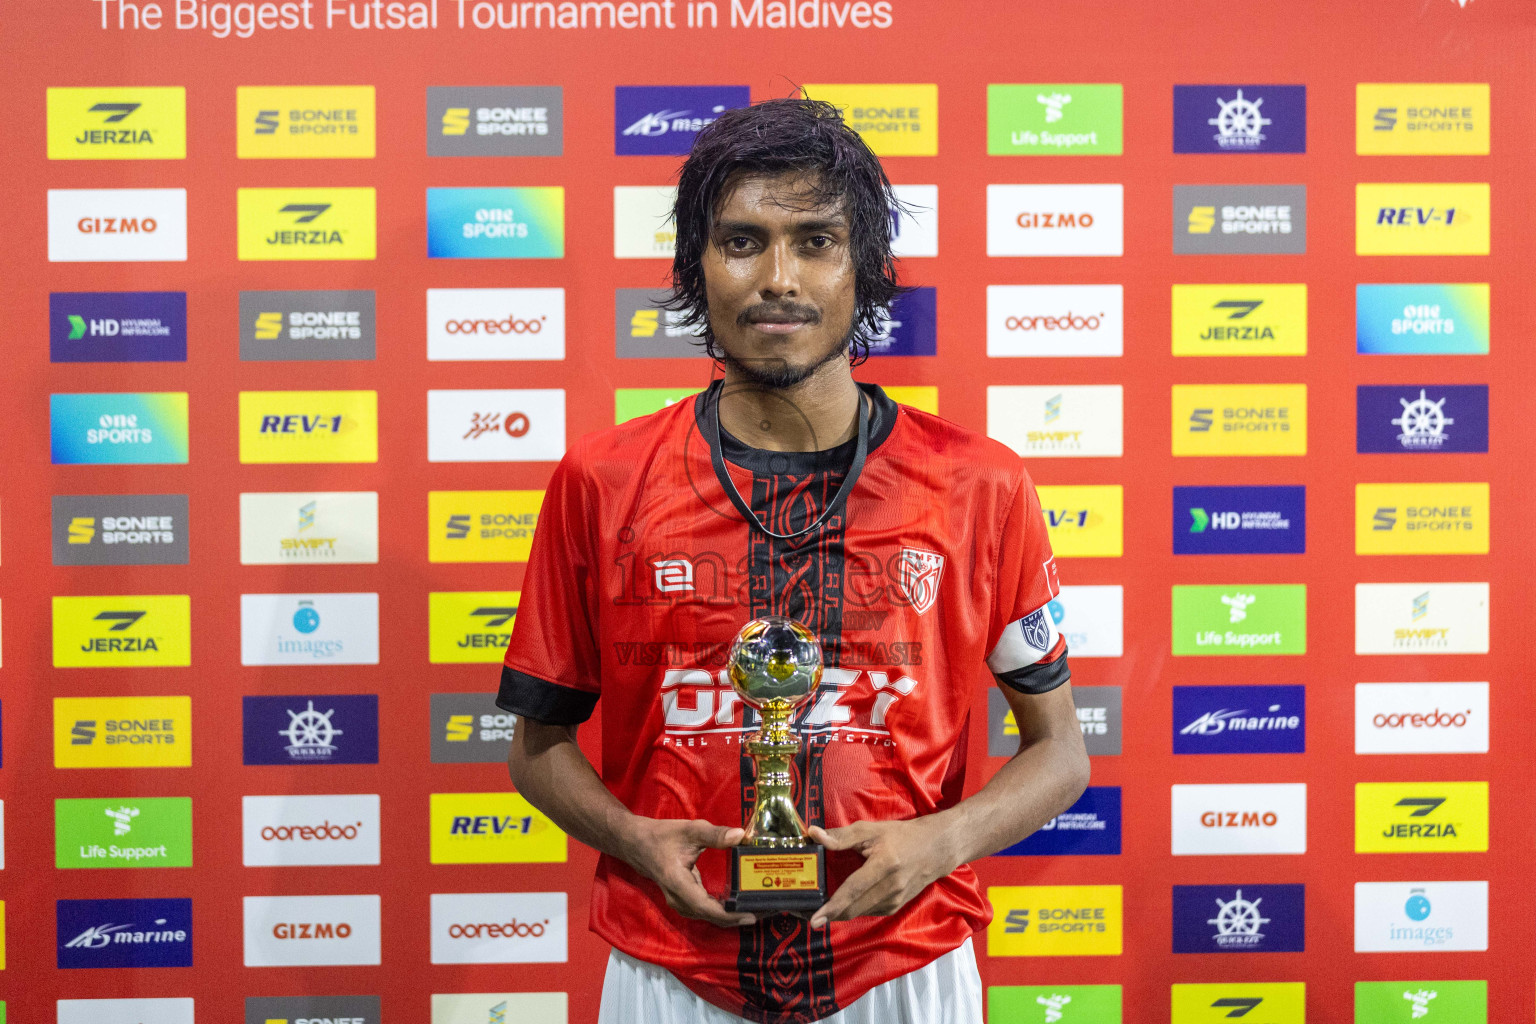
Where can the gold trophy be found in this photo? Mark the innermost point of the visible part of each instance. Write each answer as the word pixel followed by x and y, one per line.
pixel 775 666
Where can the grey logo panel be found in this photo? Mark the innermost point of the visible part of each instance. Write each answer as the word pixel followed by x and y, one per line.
pixel 495 121
pixel 280 326
pixel 119 529
pixel 643 330
pixel 1098 713
pixel 1240 219
pixel 316 1009
pixel 468 728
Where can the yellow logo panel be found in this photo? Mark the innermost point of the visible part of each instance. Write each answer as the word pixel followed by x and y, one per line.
pixel 309 426
pixel 279 122
pixel 470 626
pixel 1084 521
pixel 1421 817
pixel 923 399
pixel 492 828
pixel 481 526
pixel 1239 419
pixel 1239 319
pixel 1421 118
pixel 1421 220
pixel 306 223
pixel 895 120
pixel 123 631
pixel 1282 1002
pixel 1421 519
pixel 1055 920
pixel 137 122
pixel 122 732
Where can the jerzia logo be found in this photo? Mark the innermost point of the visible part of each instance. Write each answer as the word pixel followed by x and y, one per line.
pixel 1421 817
pixel 470 627
pixel 1240 320
pixel 306 223
pixel 137 123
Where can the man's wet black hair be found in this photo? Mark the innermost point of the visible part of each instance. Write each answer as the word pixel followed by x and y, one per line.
pixel 777 137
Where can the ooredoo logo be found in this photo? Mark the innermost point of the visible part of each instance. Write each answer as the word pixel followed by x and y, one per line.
pixel 1421 718
pixel 1055 320
pixel 499 928
pixel 298 931
pixel 282 831
pixel 117 225
pixel 495 323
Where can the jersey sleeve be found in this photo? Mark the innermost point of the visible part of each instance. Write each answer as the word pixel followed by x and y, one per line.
pixel 552 669
pixel 1028 653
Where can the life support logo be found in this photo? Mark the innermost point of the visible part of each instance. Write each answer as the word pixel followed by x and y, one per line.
pixel 1055 920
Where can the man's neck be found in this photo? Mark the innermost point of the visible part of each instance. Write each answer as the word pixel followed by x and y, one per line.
pixel 814 415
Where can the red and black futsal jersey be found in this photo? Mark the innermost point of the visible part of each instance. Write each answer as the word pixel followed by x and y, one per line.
pixel 643 570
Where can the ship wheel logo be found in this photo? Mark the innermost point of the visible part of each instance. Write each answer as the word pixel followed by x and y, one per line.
pixel 1238 922
pixel 310 733
pixel 1423 422
pixel 1239 122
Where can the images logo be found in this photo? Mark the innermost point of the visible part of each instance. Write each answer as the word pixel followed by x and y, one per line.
pixel 1055 920
pixel 309 426
pixel 643 330
pixel 1421 718
pixel 1421 917
pixel 306 224
pixel 312 1010
pixel 495 121
pixel 495 323
pixel 1421 418
pixel 1396 219
pixel 1249 818
pixel 468 728
pixel 1240 218
pixel 1055 320
pixel 1421 118
pixel 1239 319
pixel 895 120
pixel 332 527
pixel 1240 619
pixel 306 931
pixel 139 122
pixel 283 326
pixel 1084 521
pixel 309 629
pixel 1239 719
pixel 142 428
pixel 1421 319
pixel 496 426
pixel 119 529
pixel 1433 1002
pixel 1421 817
pixel 122 732
pixel 496 223
pixel 1054 1004
pixel 1275 1002
pixel 1051 120
pixel 1239 119
pixel 470 627
pixel 1055 220
pixel 663 120
pixel 1057 421
pixel 285 831
pixel 134 832
pixel 1239 520
pixel 1421 519
pixel 1421 618
pixel 127 631
pixel 329 729
pixel 492 828
pixel 1245 919
pixel 123 1011
pixel 1239 419
pixel 481 526
pixel 124 933
pixel 288 122
pixel 117 327
pixel 1090 826
pixel 499 928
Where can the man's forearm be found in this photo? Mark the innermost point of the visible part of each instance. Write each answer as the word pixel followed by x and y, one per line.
pixel 552 773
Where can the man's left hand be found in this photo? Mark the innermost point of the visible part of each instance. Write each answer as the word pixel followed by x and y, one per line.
pixel 901 859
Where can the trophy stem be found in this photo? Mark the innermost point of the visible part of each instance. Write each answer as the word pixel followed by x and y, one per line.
pixel 775 821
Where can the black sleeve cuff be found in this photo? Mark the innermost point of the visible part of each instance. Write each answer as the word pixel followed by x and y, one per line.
pixel 531 697
pixel 1036 679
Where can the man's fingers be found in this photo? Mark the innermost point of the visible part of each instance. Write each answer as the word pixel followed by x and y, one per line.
pixel 688 898
pixel 843 904
pixel 715 837
pixel 845 838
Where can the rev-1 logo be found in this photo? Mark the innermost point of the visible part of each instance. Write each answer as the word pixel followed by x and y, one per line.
pixel 1410 216
pixel 853 705
pixel 300 424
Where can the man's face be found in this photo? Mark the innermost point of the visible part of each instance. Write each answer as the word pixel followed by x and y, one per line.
pixel 779 277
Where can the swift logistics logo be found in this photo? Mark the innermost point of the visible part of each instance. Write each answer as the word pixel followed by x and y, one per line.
pixel 481 526
pixel 291 831
pixel 499 928
pixel 468 728
pixel 119 529
pixel 1055 320
pixel 1421 618
pixel 1054 421
pixel 1054 120
pixel 1239 319
pixel 1421 519
pixel 663 120
pixel 645 330
pixel 495 323
pixel 1421 817
pixel 117 327
pixel 307 527
pixel 123 631
pixel 117 225
pixel 311 931
pixel 1240 819
pixel 1055 220
pixel 1421 917
pixel 1084 521
pixel 122 732
pixel 492 828
pixel 496 426
pixel 309 426
pixel 1239 520
pixel 319 325
pixel 1055 920
pixel 124 933
pixel 309 629
pixel 1239 119
pixel 1239 719
pixel 1422 118
pixel 1090 826
pixel 131 832
pixel 909 327
pixel 140 122
pixel 292 122
pixel 313 1010
pixel 495 120
pixel 497 1008
pixel 311 730
pixel 1240 219
pixel 1239 919
pixel 1421 418
pixel 306 224
pixel 1406 219
pixel 1274 1002
pixel 1432 1002
pixel 1054 1004
pixel 139 428
pixel 894 120
pixel 496 223
pixel 1240 619
pixel 1239 419
pixel 1421 718
pixel 643 227
pixel 1421 319
pixel 470 627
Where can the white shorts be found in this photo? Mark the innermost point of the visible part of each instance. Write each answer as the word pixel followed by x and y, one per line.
pixel 947 991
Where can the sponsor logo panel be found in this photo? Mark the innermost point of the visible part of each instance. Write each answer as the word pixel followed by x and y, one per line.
pixel 1055 920
pixel 1445 219
pixel 499 928
pixel 1281 1002
pixel 124 933
pixel 1055 320
pixel 1421 118
pixel 1239 520
pixel 1421 917
pixel 492 828
pixel 117 225
pixel 468 728
pixel 117 327
pixel 481 526
pixel 1058 421
pixel 663 120
pixel 121 428
pixel 1239 919
pixel 495 323
pixel 496 426
pixel 1240 619
pixel 1421 718
pixel 922 398
pixel 131 832
pixel 123 1011
pixel 289 122
pixel 1250 818
pixel 1419 418
pixel 1098 715
pixel 894 120
pixel 1084 521
pixel 1421 319
pixel 1054 120
pixel 306 224
pixel 915 221
pixel 631 403
pixel 496 223
pixel 1239 719
pixel 311 730
pixel 910 326
pixel 1432 1002
pixel 1092 619
pixel 642 222
pixel 119 529
pixel 122 631
pixel 284 831
pixel 140 122
pixel 1421 618
pixel 310 931
pixel 321 325
pixel 480 1007
pixel 122 732
pixel 309 629
pixel 1058 1004
pixel 1055 220
pixel 1421 817
pixel 470 626
pixel 309 527
pixel 1239 119
pixel 644 330
pixel 1421 519
pixel 1239 219
pixel 309 426
pixel 495 121
pixel 1239 319
pixel 313 1010
pixel 1090 826
pixel 1239 419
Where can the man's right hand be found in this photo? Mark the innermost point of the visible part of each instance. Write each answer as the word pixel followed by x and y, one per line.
pixel 667 852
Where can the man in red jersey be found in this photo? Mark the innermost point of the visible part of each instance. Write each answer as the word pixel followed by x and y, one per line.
pixel 914 548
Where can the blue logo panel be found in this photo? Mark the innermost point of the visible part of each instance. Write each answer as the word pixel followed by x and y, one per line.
pixel 1239 719
pixel 527 222
pixel 1397 418
pixel 1090 826
pixel 324 729
pixel 663 120
pixel 1239 520
pixel 911 329
pixel 124 933
pixel 1422 319
pixel 1239 119
pixel 1239 918
pixel 117 327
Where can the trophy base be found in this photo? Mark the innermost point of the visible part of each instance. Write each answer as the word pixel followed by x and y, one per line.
pixel 775 880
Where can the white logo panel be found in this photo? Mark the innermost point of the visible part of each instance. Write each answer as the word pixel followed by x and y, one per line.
pixel 1057 421
pixel 1055 220
pixel 480 1007
pixel 495 323
pixel 1240 819
pixel 309 629
pixel 305 931
pixel 309 527
pixel 1421 718
pixel 284 831
pixel 915 224
pixel 642 222
pixel 117 225
pixel 1092 619
pixel 1055 320
pixel 1421 618
pixel 1421 917
pixel 496 426
pixel 499 928
pixel 124 1011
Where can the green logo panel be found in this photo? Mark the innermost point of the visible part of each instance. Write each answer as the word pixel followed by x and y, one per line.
pixel 628 403
pixel 1056 1004
pixel 1240 619
pixel 1054 120
pixel 1421 1002
pixel 143 832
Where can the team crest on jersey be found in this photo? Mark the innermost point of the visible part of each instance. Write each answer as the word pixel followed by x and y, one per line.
pixel 1037 633
pixel 920 574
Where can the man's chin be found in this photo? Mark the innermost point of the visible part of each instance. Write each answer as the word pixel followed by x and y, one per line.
pixel 775 372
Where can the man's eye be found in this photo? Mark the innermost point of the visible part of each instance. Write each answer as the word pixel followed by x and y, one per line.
pixel 738 243
pixel 820 242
